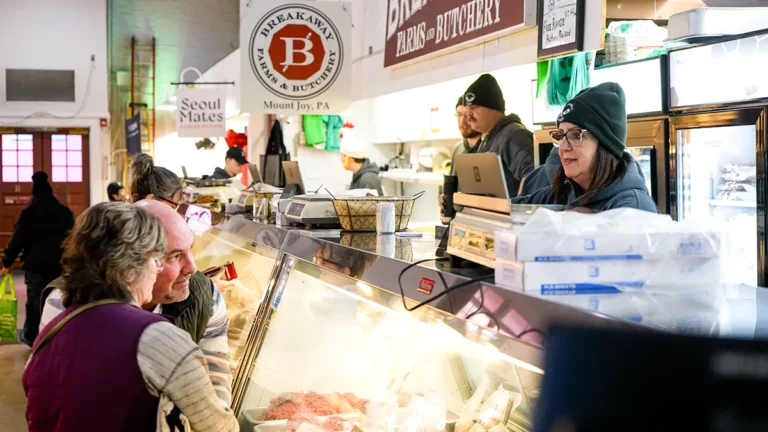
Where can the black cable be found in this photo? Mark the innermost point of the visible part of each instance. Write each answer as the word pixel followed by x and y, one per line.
pixel 446 289
pixel 531 330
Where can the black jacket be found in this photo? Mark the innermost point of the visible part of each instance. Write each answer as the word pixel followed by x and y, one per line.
pixel 511 140
pixel 220 173
pixel 38 235
pixel 629 191
pixel 367 178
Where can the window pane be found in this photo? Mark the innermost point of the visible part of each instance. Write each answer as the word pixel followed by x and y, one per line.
pixel 25 145
pixel 25 137
pixel 58 158
pixel 59 174
pixel 25 174
pixel 9 158
pixel 9 142
pixel 75 174
pixel 74 158
pixel 25 159
pixel 59 142
pixel 74 142
pixel 10 175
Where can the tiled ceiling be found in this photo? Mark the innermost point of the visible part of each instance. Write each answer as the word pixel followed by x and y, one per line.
pixel 196 33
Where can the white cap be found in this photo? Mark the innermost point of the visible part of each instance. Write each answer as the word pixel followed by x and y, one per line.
pixel 351 145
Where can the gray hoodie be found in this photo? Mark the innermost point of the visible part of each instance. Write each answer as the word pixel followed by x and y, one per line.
pixel 627 192
pixel 511 140
pixel 367 178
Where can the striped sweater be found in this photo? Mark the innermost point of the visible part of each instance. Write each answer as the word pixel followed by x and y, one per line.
pixel 214 344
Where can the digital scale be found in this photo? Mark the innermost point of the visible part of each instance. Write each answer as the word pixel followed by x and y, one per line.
pixel 314 209
pixel 472 233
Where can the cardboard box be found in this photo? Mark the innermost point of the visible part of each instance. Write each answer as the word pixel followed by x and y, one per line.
pixel 607 277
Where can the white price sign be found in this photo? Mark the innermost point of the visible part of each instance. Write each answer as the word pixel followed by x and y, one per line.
pixel 559 23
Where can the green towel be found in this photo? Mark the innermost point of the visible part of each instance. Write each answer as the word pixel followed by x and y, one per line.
pixel 567 77
pixel 314 129
pixel 333 125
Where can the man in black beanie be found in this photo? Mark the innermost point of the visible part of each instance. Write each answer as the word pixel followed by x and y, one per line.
pixel 503 135
pixel 38 235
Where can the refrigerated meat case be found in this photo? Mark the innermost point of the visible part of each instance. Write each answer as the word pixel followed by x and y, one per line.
pixel 718 98
pixel 319 315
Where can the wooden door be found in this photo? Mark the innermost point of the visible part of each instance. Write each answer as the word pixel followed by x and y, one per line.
pixel 22 155
pixel 61 153
pixel 65 159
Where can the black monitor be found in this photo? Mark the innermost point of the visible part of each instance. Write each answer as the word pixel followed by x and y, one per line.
pixel 611 380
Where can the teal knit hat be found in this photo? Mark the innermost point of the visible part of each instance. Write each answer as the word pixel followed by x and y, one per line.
pixel 601 110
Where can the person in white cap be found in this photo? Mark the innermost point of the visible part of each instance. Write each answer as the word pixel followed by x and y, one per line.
pixel 365 174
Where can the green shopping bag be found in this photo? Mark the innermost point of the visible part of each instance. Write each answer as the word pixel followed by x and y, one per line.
pixel 7 309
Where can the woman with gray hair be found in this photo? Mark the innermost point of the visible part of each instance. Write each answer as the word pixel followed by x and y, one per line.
pixel 97 366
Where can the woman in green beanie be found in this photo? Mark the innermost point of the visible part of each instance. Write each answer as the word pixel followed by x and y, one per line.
pixel 596 172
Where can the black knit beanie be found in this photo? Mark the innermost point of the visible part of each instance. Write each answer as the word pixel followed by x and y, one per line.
pixel 485 92
pixel 601 110
pixel 460 101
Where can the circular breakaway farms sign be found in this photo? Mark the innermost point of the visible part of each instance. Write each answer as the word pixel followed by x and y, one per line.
pixel 296 52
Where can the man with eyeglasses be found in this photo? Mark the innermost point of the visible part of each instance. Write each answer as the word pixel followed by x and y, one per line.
pixel 470 137
pixel 503 134
pixel 182 293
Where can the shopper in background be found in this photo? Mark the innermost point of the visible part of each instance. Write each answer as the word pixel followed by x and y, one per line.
pixel 116 192
pixel 542 176
pixel 234 162
pixel 596 172
pixel 182 293
pixel 154 183
pixel 365 174
pixel 503 135
pixel 37 236
pixel 104 363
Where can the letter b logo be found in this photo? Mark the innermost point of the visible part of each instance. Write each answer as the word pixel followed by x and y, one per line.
pixel 296 52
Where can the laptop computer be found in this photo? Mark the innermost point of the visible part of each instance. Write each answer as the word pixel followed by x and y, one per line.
pixel 255 175
pixel 481 174
pixel 293 176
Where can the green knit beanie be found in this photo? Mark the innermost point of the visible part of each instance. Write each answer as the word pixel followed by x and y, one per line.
pixel 601 110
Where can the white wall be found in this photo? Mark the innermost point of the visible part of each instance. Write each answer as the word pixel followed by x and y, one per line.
pixel 40 34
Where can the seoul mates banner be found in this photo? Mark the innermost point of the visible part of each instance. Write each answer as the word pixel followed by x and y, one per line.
pixel 200 113
pixel 295 57
pixel 419 27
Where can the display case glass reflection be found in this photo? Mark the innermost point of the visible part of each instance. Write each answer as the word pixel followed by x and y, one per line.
pixel 335 346
pixel 253 263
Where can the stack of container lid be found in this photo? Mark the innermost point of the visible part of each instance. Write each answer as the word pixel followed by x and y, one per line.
pixel 625 263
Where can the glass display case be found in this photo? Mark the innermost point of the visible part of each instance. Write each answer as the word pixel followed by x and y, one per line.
pixel 326 332
pixel 252 249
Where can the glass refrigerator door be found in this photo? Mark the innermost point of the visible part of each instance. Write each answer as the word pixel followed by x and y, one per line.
pixel 717 179
pixel 643 156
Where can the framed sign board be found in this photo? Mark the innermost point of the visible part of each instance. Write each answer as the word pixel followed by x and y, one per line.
pixel 561 27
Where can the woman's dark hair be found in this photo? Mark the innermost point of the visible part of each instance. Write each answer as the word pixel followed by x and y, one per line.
pixel 113 189
pixel 149 179
pixel 606 169
pixel 107 251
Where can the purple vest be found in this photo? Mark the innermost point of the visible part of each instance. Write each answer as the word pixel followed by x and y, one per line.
pixel 87 377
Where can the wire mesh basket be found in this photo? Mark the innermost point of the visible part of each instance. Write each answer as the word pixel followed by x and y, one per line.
pixel 359 214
